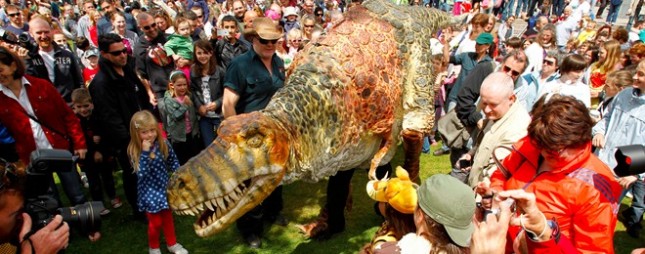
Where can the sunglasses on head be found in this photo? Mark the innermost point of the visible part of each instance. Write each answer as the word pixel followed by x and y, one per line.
pixel 118 52
pixel 265 42
pixel 13 14
pixel 510 71
pixel 153 25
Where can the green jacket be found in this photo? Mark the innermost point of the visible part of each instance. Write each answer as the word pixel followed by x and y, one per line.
pixel 174 115
pixel 179 45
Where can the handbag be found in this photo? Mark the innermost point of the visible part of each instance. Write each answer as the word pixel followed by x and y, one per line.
pixel 452 131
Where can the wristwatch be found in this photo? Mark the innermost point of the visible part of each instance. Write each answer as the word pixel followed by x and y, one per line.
pixel 555 232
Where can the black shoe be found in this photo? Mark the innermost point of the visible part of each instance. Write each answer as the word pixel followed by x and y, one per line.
pixel 253 241
pixel 441 152
pixel 278 220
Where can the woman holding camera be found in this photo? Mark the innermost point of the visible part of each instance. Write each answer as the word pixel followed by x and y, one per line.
pixel 38 118
pixel 576 192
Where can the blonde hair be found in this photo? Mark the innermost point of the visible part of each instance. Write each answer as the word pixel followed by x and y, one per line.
pixel 613 56
pixel 143 120
pixel 620 79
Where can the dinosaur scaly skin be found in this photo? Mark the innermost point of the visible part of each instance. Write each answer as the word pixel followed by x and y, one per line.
pixel 347 99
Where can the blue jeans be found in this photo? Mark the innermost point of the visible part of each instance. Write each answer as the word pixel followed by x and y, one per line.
pixel 71 183
pixel 635 15
pixel 634 214
pixel 613 13
pixel 208 128
pixel 508 9
pixel 558 7
pixel 521 5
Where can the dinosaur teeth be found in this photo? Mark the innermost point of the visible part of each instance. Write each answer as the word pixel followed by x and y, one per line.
pixel 218 213
pixel 210 220
pixel 228 200
pixel 209 205
pixel 220 203
pixel 195 211
pixel 234 195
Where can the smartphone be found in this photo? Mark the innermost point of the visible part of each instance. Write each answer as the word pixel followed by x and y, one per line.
pixel 465 163
pixel 222 32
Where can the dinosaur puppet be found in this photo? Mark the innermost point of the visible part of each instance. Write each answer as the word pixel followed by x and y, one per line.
pixel 349 99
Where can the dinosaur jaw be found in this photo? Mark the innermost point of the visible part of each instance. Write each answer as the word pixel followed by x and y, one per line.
pixel 218 212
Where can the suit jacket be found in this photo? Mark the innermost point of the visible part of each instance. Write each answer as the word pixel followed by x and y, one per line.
pixel 504 132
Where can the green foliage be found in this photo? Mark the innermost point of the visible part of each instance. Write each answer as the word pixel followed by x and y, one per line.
pixel 121 234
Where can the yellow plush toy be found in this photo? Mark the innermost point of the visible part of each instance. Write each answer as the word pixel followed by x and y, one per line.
pixel 399 192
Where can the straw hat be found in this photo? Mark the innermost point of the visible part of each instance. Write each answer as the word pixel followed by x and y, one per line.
pixel 264 28
pixel 290 11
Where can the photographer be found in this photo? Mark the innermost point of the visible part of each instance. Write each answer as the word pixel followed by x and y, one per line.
pixel 15 225
pixel 34 103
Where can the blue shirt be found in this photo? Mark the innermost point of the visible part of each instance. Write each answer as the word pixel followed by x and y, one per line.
pixel 467 60
pixel 153 178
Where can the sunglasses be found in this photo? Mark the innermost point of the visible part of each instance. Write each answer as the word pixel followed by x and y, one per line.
pixel 118 52
pixel 548 62
pixel 319 14
pixel 13 14
pixel 296 40
pixel 510 71
pixel 309 26
pixel 153 25
pixel 200 16
pixel 265 42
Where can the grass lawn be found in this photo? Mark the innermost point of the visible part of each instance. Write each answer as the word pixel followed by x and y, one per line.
pixel 302 203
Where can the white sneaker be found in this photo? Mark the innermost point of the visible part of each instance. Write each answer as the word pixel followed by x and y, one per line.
pixel 154 251
pixel 177 249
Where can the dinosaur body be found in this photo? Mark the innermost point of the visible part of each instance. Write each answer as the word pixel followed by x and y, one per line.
pixel 347 99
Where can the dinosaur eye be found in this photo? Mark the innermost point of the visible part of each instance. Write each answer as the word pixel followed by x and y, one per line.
pixel 255 141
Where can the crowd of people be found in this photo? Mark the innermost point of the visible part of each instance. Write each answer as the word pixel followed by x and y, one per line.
pixel 143 86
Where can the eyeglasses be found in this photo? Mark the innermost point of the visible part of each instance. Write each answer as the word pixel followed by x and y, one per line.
pixel 296 40
pixel 319 14
pixel 153 25
pixel 13 14
pixel 265 42
pixel 548 62
pixel 118 52
pixel 309 26
pixel 510 71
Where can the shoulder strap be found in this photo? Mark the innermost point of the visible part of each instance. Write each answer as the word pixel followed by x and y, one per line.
pixel 46 125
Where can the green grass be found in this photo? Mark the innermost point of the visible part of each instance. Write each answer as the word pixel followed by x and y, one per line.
pixel 302 202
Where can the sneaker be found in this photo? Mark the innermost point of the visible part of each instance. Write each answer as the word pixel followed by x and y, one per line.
pixel 116 203
pixel 104 212
pixel 154 251
pixel 177 249
pixel 441 152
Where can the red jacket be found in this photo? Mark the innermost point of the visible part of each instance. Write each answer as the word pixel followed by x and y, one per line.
pixel 51 109
pixel 583 197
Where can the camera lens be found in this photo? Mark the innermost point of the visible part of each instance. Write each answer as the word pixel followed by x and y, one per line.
pixel 86 217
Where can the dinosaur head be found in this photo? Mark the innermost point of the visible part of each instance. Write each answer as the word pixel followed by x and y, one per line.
pixel 232 175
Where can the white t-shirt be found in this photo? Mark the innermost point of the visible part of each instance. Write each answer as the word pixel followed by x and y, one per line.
pixel 50 61
pixel 578 90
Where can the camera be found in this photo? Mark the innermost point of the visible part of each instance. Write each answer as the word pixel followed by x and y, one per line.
pixel 630 159
pixel 22 40
pixel 42 207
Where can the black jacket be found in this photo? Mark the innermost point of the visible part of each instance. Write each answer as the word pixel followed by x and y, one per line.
pixel 225 51
pixel 216 85
pixel 116 98
pixel 157 75
pixel 469 94
pixel 66 70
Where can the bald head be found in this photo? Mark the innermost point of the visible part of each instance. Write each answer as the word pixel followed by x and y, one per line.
pixel 497 95
pixel 40 30
pixel 39 21
pixel 249 16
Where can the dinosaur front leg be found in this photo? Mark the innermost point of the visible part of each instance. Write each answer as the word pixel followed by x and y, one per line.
pixel 412 145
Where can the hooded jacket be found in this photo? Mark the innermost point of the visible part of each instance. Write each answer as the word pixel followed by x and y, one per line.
pixel 145 53
pixel 116 98
pixel 582 197
pixel 67 72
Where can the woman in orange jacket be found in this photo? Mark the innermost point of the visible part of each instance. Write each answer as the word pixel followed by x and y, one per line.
pixel 576 192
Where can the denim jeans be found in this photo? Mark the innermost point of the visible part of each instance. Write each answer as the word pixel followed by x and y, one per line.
pixel 635 14
pixel 558 7
pixel 613 13
pixel 508 10
pixel 634 214
pixel 208 128
pixel 71 183
pixel 521 5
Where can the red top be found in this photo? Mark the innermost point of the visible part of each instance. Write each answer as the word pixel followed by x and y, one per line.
pixel 49 108
pixel 88 75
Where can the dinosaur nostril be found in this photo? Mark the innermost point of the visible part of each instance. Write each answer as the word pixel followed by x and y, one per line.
pixel 182 184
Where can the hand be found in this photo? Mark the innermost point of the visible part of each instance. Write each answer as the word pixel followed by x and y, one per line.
pixel 98 157
pixel 598 140
pixel 594 94
pixel 465 157
pixel 153 98
pixel 627 181
pixel 96 139
pixel 146 144
pixel 480 124
pixel 81 153
pixel 490 235
pixel 49 239
pixel 532 218
pixel 94 236
pixel 484 190
pixel 211 106
pixel 202 110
